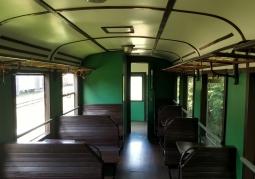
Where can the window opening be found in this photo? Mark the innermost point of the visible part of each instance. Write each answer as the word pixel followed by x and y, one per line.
pixel 136 88
pixel 30 105
pixel 190 94
pixel 68 93
pixel 178 90
pixel 215 106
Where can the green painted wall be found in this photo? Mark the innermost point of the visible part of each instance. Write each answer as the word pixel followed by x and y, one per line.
pixel 137 112
pixel 7 110
pixel 235 118
pixel 104 85
pixel 55 100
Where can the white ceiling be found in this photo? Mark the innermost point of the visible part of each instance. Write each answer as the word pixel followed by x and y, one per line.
pixel 73 27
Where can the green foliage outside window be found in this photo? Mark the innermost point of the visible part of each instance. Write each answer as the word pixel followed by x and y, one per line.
pixel 190 95
pixel 215 97
pixel 178 89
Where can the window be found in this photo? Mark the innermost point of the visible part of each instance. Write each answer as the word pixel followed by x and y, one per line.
pixel 190 95
pixel 68 91
pixel 30 106
pixel 136 88
pixel 215 106
pixel 178 90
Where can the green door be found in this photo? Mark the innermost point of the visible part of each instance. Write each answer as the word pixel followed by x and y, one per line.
pixel 137 96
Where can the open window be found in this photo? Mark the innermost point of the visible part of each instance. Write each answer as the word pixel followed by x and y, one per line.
pixel 69 94
pixel 190 95
pixel 215 119
pixel 178 89
pixel 30 106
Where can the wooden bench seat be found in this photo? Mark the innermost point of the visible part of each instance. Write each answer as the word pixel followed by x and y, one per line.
pixel 177 129
pixel 168 111
pixel 100 131
pixel 115 111
pixel 45 160
pixel 209 162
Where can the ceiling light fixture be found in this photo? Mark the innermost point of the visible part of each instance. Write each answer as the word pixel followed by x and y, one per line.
pixel 96 1
pixel 128 48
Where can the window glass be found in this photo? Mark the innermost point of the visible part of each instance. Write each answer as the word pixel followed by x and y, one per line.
pixel 30 105
pixel 68 93
pixel 215 102
pixel 178 90
pixel 190 95
pixel 136 88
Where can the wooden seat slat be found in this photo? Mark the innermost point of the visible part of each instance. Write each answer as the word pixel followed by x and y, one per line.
pixel 46 160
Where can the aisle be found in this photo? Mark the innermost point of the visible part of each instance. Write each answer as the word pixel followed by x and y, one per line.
pixel 141 158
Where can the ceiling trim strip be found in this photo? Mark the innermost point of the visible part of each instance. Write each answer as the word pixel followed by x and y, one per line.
pixel 164 20
pixel 214 16
pixel 217 41
pixel 67 55
pixel 25 15
pixel 99 38
pixel 22 51
pixel 76 28
pixel 24 43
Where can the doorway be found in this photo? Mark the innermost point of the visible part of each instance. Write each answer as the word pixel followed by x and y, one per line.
pixel 139 93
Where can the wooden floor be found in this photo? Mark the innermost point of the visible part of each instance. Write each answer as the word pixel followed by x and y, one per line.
pixel 141 158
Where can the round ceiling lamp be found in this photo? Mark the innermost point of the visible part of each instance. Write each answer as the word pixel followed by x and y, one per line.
pixel 96 1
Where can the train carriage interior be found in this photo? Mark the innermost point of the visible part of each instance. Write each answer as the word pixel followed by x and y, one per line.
pixel 153 89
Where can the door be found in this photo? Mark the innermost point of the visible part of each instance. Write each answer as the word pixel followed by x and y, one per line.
pixel 138 96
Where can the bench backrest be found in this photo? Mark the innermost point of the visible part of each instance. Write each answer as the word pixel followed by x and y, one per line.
pixel 113 110
pixel 180 129
pixel 32 160
pixel 97 130
pixel 160 103
pixel 169 111
pixel 210 162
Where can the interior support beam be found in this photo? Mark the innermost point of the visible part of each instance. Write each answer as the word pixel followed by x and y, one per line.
pixel 164 20
pixel 65 20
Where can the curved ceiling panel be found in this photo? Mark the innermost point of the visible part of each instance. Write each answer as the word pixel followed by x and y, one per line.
pixel 239 12
pixel 177 47
pixel 199 30
pixel 83 3
pixel 166 55
pixel 13 8
pixel 44 30
pixel 116 43
pixel 145 22
pixel 81 49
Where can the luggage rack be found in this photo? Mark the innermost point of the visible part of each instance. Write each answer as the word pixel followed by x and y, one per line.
pixel 218 59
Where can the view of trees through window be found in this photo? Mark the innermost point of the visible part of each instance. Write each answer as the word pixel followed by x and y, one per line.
pixel 178 89
pixel 30 105
pixel 190 94
pixel 68 93
pixel 215 101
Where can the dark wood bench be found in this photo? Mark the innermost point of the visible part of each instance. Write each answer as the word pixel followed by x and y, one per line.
pixel 177 129
pixel 160 103
pixel 44 161
pixel 208 162
pixel 100 131
pixel 115 111
pixel 166 112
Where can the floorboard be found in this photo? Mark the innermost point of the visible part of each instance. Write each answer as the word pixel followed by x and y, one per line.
pixel 141 158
